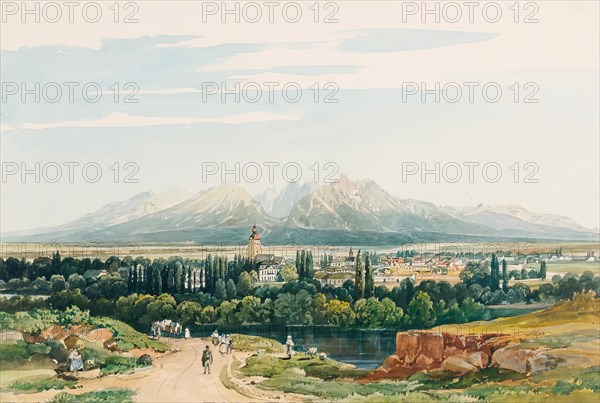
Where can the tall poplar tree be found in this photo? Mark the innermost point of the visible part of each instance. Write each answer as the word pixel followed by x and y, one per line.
pixel 369 281
pixel 504 276
pixel 359 278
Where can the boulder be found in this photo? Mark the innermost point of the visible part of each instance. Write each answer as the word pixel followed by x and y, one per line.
pixel 454 341
pixel 145 359
pixel 449 351
pixel 411 345
pixel 111 345
pixel 71 341
pixel 100 335
pixel 514 359
pixel 59 353
pixel 478 358
pixel 32 338
pixel 62 368
pixel 423 363
pixel 391 362
pixel 55 332
pixel 457 364
pixel 540 363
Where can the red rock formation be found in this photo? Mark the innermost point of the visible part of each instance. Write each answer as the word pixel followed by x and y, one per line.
pixel 418 351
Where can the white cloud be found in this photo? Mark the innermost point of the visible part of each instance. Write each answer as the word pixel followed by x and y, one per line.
pixel 170 91
pixel 5 128
pixel 126 120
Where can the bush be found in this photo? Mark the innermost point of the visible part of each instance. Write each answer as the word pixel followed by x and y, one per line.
pixel 98 396
pixel 39 386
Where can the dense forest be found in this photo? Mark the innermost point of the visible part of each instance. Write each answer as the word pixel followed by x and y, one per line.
pixel 217 291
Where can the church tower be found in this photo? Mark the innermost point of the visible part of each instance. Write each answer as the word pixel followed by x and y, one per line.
pixel 254 243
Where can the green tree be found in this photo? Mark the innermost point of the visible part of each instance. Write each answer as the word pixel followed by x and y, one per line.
pixel 472 310
pixel 504 276
pixel 208 315
pixel 76 281
pixel 231 289
pixel 163 307
pixel 298 263
pixel 288 273
pixel 319 308
pixel 359 278
pixel 309 272
pixel 188 313
pixel 220 292
pixel 420 310
pixel 249 310
pixel 495 273
pixel 543 270
pixel 157 287
pixel 58 283
pixel 369 281
pixel 339 313
pixel 293 308
pixel 244 285
pixel 226 313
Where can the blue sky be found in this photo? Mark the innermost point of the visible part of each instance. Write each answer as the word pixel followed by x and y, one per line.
pixel 368 133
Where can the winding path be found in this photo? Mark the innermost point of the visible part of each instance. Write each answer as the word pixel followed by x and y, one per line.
pixel 180 378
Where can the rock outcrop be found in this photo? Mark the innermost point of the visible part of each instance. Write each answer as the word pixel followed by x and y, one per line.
pixel 418 351
pixel 523 361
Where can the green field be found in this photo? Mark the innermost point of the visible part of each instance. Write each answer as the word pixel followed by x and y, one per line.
pixel 568 267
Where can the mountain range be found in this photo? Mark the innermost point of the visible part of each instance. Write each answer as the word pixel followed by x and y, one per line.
pixel 345 212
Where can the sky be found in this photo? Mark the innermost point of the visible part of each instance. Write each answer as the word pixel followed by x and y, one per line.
pixel 511 102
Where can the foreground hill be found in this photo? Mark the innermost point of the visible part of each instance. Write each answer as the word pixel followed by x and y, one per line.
pixel 545 356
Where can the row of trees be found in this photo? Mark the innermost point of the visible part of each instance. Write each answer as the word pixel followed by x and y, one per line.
pixel 302 301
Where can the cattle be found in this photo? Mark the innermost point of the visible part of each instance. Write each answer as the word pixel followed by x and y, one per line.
pixel 311 352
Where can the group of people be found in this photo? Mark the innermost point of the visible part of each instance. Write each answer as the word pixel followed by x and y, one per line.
pixel 225 346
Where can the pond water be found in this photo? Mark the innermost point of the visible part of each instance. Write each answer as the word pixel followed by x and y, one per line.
pixel 364 348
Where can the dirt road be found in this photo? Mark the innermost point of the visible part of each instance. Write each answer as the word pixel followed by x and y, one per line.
pixel 177 377
pixel 180 378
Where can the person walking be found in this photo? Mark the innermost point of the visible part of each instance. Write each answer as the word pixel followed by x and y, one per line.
pixel 229 344
pixel 207 359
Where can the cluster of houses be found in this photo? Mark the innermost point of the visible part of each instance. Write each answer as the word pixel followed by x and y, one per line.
pixel 387 268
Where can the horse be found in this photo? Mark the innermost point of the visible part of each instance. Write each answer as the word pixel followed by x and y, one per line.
pixel 172 329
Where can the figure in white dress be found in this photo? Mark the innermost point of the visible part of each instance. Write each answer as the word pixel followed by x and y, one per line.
pixel 76 361
pixel 289 346
pixel 187 333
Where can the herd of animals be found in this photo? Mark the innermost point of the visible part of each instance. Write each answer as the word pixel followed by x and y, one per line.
pixel 166 327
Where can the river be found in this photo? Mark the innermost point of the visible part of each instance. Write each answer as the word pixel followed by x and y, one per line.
pixel 364 348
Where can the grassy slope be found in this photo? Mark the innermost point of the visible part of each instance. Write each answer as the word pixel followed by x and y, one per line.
pixel 17 356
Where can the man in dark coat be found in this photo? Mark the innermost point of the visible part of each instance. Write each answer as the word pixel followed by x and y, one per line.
pixel 207 359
